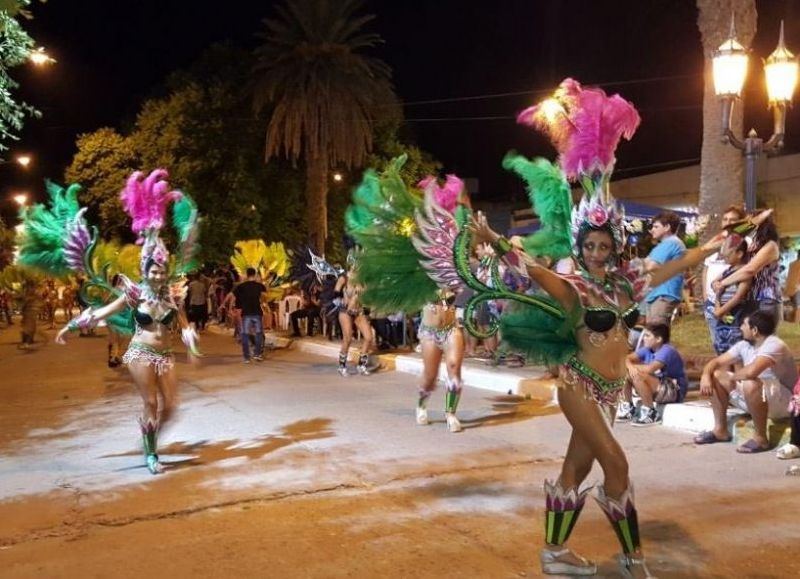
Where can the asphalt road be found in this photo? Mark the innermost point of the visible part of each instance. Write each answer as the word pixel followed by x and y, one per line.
pixel 286 469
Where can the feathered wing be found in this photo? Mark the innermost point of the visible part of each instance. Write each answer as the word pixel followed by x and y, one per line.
pixel 186 221
pixel 248 253
pixel 381 220
pixel 276 261
pixel 551 198
pixel 435 241
pixel 55 238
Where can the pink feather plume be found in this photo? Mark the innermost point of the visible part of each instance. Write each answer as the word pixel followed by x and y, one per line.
pixel 587 130
pixel 146 200
pixel 445 196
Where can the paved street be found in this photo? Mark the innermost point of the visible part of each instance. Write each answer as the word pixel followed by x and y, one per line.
pixel 285 469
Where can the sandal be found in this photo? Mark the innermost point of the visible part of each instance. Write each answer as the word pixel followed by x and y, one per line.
pixel 751 447
pixel 708 437
pixel 788 451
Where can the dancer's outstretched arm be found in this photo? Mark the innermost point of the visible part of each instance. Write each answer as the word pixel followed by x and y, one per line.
pixel 89 318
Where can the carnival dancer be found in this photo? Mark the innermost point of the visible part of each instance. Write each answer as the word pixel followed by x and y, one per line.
pixel 353 315
pixel 583 321
pixel 405 235
pixel 59 239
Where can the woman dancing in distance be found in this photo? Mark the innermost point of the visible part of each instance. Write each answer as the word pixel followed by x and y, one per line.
pixel 405 236
pixel 156 302
pixel 589 313
pixel 352 315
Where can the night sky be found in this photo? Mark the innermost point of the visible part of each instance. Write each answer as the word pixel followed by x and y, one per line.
pixel 483 61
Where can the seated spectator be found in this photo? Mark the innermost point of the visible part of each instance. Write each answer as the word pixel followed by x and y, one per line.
pixel 762 387
pixel 730 303
pixel 310 310
pixel 792 449
pixel 657 374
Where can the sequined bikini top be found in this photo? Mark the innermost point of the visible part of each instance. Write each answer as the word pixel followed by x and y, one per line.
pixel 145 319
pixel 602 319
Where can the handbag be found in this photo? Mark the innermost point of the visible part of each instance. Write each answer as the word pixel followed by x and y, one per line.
pixel 667 391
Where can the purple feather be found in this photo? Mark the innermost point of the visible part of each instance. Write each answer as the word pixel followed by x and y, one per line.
pixel 76 242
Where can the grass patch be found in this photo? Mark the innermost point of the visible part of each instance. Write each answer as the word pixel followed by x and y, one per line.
pixel 689 335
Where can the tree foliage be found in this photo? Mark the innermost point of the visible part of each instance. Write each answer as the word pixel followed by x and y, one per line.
pixel 325 90
pixel 205 133
pixel 15 48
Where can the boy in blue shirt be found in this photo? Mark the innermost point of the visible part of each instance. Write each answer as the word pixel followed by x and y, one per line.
pixel 656 370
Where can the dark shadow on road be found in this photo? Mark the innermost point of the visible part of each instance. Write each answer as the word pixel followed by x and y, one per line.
pixel 509 409
pixel 208 452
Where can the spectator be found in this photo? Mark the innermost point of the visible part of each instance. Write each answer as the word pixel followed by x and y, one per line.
pixel 248 299
pixel 198 302
pixel 657 373
pixel 666 297
pixel 713 267
pixel 763 268
pixel 792 449
pixel 762 387
pixel 730 305
pixel 309 310
pixel 5 306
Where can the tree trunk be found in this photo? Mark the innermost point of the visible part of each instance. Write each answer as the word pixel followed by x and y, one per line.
pixel 317 202
pixel 721 165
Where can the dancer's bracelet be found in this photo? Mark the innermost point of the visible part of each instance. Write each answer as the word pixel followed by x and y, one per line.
pixel 502 246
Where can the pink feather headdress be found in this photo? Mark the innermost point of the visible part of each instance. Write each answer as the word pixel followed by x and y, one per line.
pixel 445 196
pixel 146 201
pixel 585 125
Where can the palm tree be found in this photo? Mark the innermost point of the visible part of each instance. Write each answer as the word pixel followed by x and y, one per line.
pixel 323 92
pixel 721 165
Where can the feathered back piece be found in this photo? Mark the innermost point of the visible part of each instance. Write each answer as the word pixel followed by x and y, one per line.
pixel 381 220
pixel 265 259
pixel 445 196
pixel 585 126
pixel 551 198
pixel 56 239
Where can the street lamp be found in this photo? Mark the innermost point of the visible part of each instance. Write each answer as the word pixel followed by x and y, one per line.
pixel 39 57
pixel 730 70
pixel 21 199
pixel 338 177
pixel 23 160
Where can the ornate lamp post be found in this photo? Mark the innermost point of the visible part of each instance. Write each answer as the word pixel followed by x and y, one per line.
pixel 730 70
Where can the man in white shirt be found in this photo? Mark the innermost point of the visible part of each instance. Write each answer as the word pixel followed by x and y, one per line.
pixel 762 387
pixel 714 265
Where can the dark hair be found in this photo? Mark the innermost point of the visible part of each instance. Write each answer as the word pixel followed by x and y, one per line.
pixel 738 209
pixel 659 330
pixel 765 233
pixel 251 271
pixel 764 322
pixel 670 219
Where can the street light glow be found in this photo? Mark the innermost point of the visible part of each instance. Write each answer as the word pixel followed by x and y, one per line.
pixel 781 71
pixel 21 199
pixel 337 177
pixel 39 57
pixel 23 160
pixel 730 66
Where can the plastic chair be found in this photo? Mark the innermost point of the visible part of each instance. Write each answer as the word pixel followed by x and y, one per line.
pixel 286 306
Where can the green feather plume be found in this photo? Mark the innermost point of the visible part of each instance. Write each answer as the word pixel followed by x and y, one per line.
pixel 187 224
pixel 551 198
pixel 542 337
pixel 381 220
pixel 41 242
